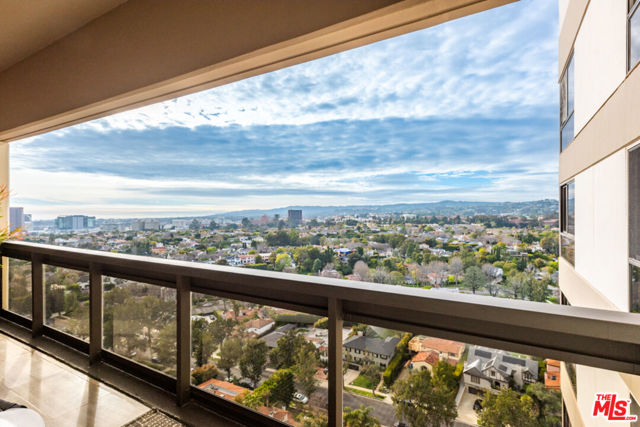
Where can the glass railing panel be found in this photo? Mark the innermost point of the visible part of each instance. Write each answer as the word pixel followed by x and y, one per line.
pixel 66 301
pixel 393 377
pixel 266 358
pixel 140 323
pixel 20 287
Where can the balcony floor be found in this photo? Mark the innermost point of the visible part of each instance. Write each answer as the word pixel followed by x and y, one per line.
pixel 62 395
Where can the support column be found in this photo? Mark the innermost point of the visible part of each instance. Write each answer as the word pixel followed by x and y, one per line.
pixel 335 362
pixel 4 220
pixel 37 295
pixel 183 327
pixel 95 313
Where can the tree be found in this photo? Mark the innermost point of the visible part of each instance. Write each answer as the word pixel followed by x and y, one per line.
pixel 306 365
pixel 455 266
pixel 444 376
pixel 283 387
pixel 517 284
pixel 202 341
pixel 322 323
pixel 361 417
pixel 550 243
pixel 254 359
pixel 283 261
pixel 380 275
pixel 507 408
pixel 230 352
pixel 287 347
pixel 166 347
pixel 420 402
pixel 474 278
pixel 548 403
pixel 371 372
pixel 362 270
pixel 313 420
pixel 317 265
pixel 203 373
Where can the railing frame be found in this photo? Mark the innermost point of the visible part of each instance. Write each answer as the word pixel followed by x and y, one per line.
pixel 599 338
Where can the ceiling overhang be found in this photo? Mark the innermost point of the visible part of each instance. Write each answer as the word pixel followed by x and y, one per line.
pixel 119 56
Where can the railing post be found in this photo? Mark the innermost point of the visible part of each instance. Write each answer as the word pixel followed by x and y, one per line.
pixel 335 362
pixel 95 313
pixel 183 327
pixel 37 295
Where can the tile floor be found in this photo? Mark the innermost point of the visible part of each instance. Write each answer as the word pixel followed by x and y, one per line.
pixel 62 395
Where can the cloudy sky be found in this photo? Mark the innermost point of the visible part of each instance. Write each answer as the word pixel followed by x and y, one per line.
pixel 462 111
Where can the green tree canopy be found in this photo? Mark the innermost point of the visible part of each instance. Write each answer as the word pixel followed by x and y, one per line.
pixel 360 417
pixel 253 359
pixel 507 408
pixel 422 403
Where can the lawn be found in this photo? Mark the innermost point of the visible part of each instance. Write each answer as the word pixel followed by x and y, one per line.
pixel 363 393
pixel 363 382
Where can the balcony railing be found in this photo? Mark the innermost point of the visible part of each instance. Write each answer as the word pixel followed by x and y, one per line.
pixel 597 338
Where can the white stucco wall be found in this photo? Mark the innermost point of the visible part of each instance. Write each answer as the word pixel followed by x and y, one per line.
pixel 599 56
pixel 601 228
pixel 562 10
pixel 592 381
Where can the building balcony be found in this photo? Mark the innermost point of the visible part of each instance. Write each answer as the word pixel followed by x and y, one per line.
pixel 597 338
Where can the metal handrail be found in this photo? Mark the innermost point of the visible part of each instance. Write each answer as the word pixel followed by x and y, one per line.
pixel 599 338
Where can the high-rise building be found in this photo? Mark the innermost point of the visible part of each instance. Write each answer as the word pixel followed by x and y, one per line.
pixel 295 216
pixel 75 222
pixel 599 82
pixel 16 218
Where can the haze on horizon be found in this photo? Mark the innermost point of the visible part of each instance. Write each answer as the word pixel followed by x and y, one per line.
pixel 464 111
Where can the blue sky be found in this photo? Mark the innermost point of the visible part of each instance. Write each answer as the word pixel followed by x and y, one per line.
pixel 462 111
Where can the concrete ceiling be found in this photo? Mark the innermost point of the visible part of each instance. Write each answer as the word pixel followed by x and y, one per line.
pixel 26 26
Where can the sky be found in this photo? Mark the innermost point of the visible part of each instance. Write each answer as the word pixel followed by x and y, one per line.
pixel 467 110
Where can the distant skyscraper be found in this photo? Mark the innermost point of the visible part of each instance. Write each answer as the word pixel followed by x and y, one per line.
pixel 75 222
pixel 295 216
pixel 16 218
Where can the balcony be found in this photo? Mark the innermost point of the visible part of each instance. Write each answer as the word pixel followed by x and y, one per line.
pixel 596 338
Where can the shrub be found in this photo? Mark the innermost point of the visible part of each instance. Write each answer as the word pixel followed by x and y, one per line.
pixel 397 362
pixel 203 373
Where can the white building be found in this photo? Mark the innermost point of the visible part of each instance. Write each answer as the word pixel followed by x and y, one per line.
pixel 599 176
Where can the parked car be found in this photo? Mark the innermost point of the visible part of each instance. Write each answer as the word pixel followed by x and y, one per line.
pixel 247 384
pixel 299 397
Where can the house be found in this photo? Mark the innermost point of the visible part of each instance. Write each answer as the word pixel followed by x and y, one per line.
pixel 272 338
pixel 378 350
pixel 259 326
pixel 222 389
pixel 489 369
pixel 423 360
pixel 450 351
pixel 552 374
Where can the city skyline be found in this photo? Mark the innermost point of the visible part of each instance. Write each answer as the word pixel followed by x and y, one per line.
pixel 387 123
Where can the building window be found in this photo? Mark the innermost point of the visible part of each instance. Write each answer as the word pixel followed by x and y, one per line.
pixel 566 106
pixel 634 300
pixel 475 380
pixel 568 221
pixel 633 34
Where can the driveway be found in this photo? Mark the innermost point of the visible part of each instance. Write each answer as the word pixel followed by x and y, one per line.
pixel 466 414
